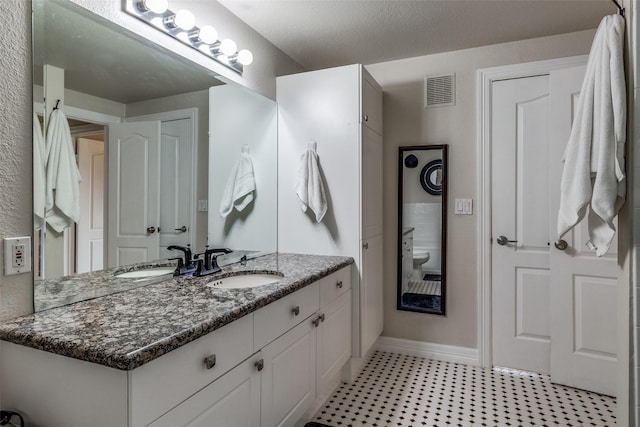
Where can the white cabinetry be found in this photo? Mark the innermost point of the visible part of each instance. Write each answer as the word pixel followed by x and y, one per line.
pixel 341 109
pixel 265 369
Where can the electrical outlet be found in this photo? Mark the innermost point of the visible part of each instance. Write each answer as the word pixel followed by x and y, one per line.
pixel 17 255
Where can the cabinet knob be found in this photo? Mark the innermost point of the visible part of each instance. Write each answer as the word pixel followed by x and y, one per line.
pixel 210 361
pixel 322 317
pixel 339 284
pixel 296 310
pixel 317 321
pixel 366 118
pixel 260 365
pixel 365 246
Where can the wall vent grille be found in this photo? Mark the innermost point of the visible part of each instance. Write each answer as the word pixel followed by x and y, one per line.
pixel 440 91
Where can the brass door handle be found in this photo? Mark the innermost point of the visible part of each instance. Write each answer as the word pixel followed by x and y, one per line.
pixel 561 244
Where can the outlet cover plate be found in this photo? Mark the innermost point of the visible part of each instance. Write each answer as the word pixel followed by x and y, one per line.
pixel 17 255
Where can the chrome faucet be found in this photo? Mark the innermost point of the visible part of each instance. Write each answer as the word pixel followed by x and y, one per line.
pixel 208 264
pixel 185 266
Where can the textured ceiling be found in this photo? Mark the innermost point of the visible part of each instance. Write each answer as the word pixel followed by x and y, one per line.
pixel 101 59
pixel 324 33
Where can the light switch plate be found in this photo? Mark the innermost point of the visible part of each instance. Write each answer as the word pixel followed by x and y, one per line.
pixel 464 207
pixel 203 205
pixel 17 255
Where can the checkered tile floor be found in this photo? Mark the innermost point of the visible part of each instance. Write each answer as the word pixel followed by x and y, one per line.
pixel 398 390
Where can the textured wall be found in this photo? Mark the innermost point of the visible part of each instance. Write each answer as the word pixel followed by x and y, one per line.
pixel 407 123
pixel 16 292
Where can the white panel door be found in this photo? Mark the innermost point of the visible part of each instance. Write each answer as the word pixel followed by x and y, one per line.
pixel 371 166
pixel 232 400
pixel 289 376
pixel 133 201
pixel 371 299
pixel 175 182
pixel 90 229
pixel 520 213
pixel 583 286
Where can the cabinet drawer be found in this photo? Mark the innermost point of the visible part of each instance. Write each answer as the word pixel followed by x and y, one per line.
pixel 334 285
pixel 278 317
pixel 165 382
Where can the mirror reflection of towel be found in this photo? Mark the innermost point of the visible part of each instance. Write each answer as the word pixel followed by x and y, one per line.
pixel 62 201
pixel 241 184
pixel 309 186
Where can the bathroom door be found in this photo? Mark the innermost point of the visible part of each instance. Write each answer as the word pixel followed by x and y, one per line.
pixel 133 196
pixel 90 229
pixel 553 310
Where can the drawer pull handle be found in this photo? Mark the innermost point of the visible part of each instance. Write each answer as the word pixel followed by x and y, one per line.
pixel 322 317
pixel 296 310
pixel 339 284
pixel 210 361
pixel 260 365
pixel 316 322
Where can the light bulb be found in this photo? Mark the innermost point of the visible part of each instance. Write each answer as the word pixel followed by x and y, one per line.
pixel 245 57
pixel 208 34
pixel 185 20
pixel 155 6
pixel 228 47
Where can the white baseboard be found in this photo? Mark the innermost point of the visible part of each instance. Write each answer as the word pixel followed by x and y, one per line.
pixel 447 353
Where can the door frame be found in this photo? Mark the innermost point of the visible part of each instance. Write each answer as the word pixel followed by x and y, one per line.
pixel 485 78
pixel 192 115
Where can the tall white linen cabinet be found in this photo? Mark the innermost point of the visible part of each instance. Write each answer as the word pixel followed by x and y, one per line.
pixel 340 109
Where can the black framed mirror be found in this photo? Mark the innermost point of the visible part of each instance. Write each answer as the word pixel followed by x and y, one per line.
pixel 422 228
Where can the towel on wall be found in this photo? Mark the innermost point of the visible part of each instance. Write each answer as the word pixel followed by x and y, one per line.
pixel 309 186
pixel 593 174
pixel 241 184
pixel 39 179
pixel 62 198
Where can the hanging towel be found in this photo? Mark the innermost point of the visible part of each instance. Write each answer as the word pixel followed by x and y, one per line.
pixel 593 174
pixel 309 186
pixel 241 184
pixel 39 179
pixel 62 198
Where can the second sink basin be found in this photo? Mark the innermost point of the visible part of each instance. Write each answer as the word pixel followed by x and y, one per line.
pixel 245 281
pixel 147 272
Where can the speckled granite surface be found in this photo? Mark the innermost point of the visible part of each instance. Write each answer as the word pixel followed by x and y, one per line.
pixel 128 329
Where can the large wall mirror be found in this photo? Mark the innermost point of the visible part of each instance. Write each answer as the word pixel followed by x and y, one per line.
pixel 156 138
pixel 422 228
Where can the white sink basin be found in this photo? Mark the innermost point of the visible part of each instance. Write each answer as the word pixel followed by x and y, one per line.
pixel 245 281
pixel 147 272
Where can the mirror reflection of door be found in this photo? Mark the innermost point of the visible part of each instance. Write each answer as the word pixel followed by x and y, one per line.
pixel 422 197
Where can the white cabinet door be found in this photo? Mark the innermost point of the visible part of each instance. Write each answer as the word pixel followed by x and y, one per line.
pixel 371 103
pixel 334 343
pixel 133 200
pixel 288 377
pixel 371 166
pixel 371 301
pixel 233 400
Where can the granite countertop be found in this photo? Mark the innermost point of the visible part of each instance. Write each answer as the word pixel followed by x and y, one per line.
pixel 127 329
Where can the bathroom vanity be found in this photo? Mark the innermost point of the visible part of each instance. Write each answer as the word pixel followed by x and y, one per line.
pixel 185 351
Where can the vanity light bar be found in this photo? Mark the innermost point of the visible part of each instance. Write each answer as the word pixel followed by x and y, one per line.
pixel 181 26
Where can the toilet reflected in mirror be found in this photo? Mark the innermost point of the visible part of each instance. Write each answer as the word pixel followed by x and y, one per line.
pixel 422 201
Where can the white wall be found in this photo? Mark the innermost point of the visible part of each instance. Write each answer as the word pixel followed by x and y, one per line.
pixel 407 123
pixel 240 117
pixel 16 292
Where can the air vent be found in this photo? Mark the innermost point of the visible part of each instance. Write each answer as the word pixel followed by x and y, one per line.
pixel 440 91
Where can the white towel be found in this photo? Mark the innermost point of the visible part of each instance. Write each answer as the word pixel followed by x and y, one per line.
pixel 241 184
pixel 39 179
pixel 62 199
pixel 309 186
pixel 593 173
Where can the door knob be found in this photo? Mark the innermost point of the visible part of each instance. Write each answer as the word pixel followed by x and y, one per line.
pixel 151 230
pixel 561 244
pixel 182 229
pixel 502 240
